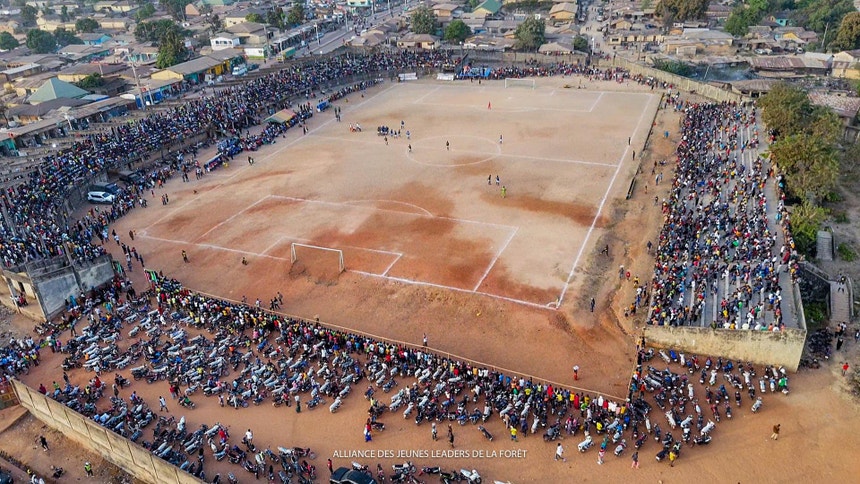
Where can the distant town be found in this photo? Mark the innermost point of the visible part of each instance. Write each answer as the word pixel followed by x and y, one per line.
pixel 67 63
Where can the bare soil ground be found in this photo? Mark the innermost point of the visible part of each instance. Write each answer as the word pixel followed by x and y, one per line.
pixel 555 203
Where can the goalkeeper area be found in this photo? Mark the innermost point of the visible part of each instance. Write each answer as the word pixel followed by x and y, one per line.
pixel 500 191
pixel 516 82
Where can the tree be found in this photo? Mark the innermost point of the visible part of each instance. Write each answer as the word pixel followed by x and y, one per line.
pixel 64 14
pixel 63 38
pixel 296 16
pixel 740 20
pixel 473 4
pixel 87 25
pixel 8 41
pixel 530 34
pixel 809 163
pixel 423 20
pixel 255 17
pixel 144 12
pixel 805 220
pixel 171 50
pixel 215 23
pixel 681 10
pixel 457 31
pixel 41 42
pixel 786 109
pixel 153 31
pixel 848 35
pixel 175 8
pixel 580 43
pixel 28 16
pixel 276 18
pixel 91 81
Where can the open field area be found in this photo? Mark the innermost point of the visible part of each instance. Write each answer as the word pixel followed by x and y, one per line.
pixel 426 217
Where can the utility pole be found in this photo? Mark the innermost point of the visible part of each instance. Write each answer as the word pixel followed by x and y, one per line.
pixel 139 90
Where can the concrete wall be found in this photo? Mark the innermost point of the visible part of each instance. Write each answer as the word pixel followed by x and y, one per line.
pixel 55 289
pixel 127 455
pixel 761 347
pixel 679 82
pixel 95 273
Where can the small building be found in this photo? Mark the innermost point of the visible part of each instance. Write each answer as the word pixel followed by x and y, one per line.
pixel 77 72
pixel 30 113
pixel 782 18
pixel 563 12
pixel 556 48
pixel 418 42
pixel 251 32
pixel 18 72
pixel 54 89
pixel 84 53
pixel 846 64
pixel 447 11
pixel 95 38
pixel 488 8
pixel 194 71
pixel 224 40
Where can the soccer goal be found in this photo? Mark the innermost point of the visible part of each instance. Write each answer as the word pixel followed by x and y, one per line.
pixel 513 82
pixel 294 254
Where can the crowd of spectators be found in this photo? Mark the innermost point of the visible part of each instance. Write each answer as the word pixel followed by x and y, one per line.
pixel 719 244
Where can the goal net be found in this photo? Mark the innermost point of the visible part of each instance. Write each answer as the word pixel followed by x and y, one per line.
pixel 513 82
pixel 310 251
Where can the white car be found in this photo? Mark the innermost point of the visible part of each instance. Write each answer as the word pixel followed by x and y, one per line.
pixel 101 197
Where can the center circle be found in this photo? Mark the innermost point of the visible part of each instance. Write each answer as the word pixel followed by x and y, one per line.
pixel 461 150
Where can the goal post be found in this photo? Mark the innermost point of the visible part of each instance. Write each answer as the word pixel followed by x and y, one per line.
pixel 294 255
pixel 516 82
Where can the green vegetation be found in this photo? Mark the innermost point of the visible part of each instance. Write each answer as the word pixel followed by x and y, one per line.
pixel 155 30
pixel 91 81
pixel 296 16
pixel 423 20
pixel 528 6
pixel 63 38
pixel 144 12
pixel 8 41
pixel 848 35
pixel 846 252
pixel 28 16
pixel 457 31
pixel 744 15
pixel 41 41
pixel 171 50
pixel 806 150
pixel 86 25
pixel 175 8
pixel 674 66
pixel 255 17
pixel 530 34
pixel 682 10
pixel 815 313
pixel 580 43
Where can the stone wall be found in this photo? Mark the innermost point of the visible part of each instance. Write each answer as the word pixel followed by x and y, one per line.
pixel 120 451
pixel 679 82
pixel 761 347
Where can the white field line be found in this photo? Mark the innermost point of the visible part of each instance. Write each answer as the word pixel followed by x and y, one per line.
pixel 428 93
pixel 496 258
pixel 425 211
pixel 385 273
pixel 594 105
pixel 227 220
pixel 599 211
pixel 452 288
